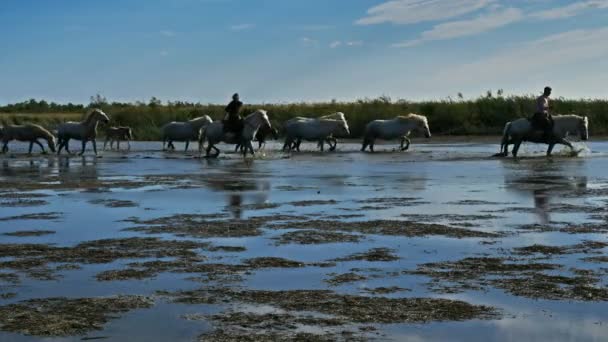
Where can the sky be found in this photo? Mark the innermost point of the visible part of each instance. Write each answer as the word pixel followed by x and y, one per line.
pixel 277 51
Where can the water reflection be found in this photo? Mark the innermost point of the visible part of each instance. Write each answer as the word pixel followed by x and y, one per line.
pixel 544 182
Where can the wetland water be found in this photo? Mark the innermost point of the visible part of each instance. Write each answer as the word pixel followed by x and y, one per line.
pixel 438 243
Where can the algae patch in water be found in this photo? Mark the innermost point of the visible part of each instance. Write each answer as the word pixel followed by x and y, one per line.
pixel 26 233
pixel 66 316
pixel 345 278
pixel 357 309
pixel 375 254
pixel 35 216
pixel 247 326
pixel 313 237
pixel 387 227
pixel 273 262
pixel 114 203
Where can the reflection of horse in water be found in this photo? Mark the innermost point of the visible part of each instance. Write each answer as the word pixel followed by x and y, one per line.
pixel 242 186
pixel 545 183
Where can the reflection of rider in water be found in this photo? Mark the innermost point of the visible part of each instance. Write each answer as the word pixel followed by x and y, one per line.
pixel 541 203
pixel 542 120
pixel 233 122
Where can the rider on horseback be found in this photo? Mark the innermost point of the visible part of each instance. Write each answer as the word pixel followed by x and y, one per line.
pixel 233 122
pixel 542 120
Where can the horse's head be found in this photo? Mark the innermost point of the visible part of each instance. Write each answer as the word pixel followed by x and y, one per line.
pixel 275 133
pixel 344 130
pixel 259 118
pixel 584 128
pixel 423 125
pixel 129 133
pixel 52 142
pixel 98 115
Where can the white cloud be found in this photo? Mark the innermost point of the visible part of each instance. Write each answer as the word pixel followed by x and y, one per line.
pixel 309 41
pixel 167 33
pixel 415 11
pixel 335 44
pixel 539 57
pixel 355 43
pixel 462 28
pixel 242 27
pixel 571 10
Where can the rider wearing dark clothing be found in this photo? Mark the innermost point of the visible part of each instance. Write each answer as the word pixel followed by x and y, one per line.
pixel 233 122
pixel 542 120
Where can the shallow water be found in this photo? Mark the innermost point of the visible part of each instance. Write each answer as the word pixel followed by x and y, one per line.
pixel 458 185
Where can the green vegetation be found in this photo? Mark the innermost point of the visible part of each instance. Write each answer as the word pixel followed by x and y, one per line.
pixel 485 115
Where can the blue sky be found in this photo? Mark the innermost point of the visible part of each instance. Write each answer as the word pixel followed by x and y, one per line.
pixel 300 50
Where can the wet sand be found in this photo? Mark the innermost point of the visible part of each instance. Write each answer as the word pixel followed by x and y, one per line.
pixel 442 242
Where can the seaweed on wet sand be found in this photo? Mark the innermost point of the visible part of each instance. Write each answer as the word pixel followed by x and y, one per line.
pixel 33 259
pixel 23 202
pixel 520 279
pixel 387 227
pixel 358 309
pixel 273 262
pixel 114 203
pixel 66 316
pixel 26 233
pixel 247 326
pixel 345 278
pixel 34 216
pixel 312 202
pixel 312 236
pixel 584 247
pixel 375 254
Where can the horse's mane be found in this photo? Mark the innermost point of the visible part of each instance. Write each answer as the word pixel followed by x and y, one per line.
pixel 199 118
pixel 90 113
pixel 569 116
pixel 334 116
pixel 412 116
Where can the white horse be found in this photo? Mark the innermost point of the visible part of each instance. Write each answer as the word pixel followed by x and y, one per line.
pixel 84 131
pixel 184 131
pixel 214 133
pixel 520 130
pixel 397 128
pixel 320 129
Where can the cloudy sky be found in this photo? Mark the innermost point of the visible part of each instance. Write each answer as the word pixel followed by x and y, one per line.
pixel 300 50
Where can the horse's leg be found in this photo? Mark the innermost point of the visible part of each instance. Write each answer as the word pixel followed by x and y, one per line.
pixel 321 145
pixel 371 146
pixel 84 145
pixel 31 146
pixel 287 144
pixel 128 144
pixel 187 144
pixel 94 146
pixel 67 146
pixel 298 143
pixel 118 145
pixel 217 152
pixel 550 149
pixel 516 146
pixel 236 148
pixel 60 146
pixel 209 146
pixel 41 146
pixel 407 145
pixel 364 144
pixel 105 143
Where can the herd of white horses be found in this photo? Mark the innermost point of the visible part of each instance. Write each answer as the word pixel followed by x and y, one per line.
pixel 322 130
